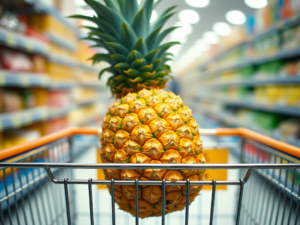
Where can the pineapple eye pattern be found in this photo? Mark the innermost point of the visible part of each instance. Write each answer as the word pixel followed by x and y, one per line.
pixel 142 136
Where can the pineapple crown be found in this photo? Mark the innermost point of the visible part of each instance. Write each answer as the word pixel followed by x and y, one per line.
pixel 136 56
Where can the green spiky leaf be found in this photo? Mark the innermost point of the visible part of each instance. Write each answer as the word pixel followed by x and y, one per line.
pixel 139 24
pixel 123 66
pixel 133 55
pixel 118 47
pixel 128 37
pixel 133 73
pixel 130 9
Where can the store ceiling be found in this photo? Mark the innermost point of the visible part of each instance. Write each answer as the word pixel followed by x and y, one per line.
pixel 213 13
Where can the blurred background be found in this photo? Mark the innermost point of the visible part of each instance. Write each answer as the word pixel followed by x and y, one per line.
pixel 238 66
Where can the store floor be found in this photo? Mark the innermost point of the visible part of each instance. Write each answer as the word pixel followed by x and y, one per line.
pixel 225 207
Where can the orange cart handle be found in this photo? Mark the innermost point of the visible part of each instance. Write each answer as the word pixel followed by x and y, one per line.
pixel 289 149
pixel 9 152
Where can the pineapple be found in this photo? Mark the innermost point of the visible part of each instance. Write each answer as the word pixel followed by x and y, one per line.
pixel 147 124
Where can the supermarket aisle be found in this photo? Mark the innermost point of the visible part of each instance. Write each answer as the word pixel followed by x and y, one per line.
pixel 225 207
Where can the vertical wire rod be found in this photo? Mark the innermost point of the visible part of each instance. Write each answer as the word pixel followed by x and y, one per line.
pixel 285 197
pixel 212 201
pixel 7 201
pixel 240 202
pixel 67 200
pixel 91 202
pixel 163 213
pixel 1 213
pixel 291 199
pixel 113 212
pixel 136 202
pixel 15 196
pixel 187 202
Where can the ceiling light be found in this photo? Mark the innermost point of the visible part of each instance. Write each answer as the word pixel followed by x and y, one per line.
pixel 88 12
pixel 211 38
pixel 236 17
pixel 184 29
pixel 257 4
pixel 182 39
pixel 80 3
pixel 222 29
pixel 197 3
pixel 189 16
pixel 201 45
pixel 153 16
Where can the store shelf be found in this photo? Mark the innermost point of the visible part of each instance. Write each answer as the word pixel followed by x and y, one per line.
pixel 285 110
pixel 32 45
pixel 22 118
pixel 27 79
pixel 255 82
pixel 23 79
pixel 29 116
pixel 279 26
pixel 19 41
pixel 231 120
pixel 282 54
pixel 61 41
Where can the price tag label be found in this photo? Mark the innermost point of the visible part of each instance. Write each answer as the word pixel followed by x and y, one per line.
pixel 17 121
pixel 2 79
pixel 11 40
pixel 24 80
pixel 44 82
pixel 27 118
pixel 44 114
pixel 29 45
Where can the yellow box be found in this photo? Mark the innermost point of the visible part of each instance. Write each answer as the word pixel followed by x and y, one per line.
pixel 216 156
pixel 60 72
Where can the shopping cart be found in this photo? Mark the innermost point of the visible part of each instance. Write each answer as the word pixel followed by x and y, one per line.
pixel 37 181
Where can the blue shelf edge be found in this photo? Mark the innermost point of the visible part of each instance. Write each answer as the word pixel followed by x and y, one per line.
pixel 256 81
pixel 61 41
pixel 281 54
pixel 285 110
pixel 29 116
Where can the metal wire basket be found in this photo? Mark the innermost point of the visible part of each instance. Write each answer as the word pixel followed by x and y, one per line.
pixel 37 181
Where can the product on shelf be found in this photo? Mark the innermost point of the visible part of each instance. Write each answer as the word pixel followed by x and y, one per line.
pixel 38 64
pixel 14 60
pixel 14 99
pixel 57 99
pixel 11 21
pixel 57 124
pixel 289 130
pixel 19 136
pixel 291 38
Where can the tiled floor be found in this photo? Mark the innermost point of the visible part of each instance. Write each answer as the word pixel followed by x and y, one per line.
pixel 225 206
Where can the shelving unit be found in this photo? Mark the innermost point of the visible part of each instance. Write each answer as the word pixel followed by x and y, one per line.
pixel 66 74
pixel 279 26
pixel 231 120
pixel 19 41
pixel 282 54
pixel 29 116
pixel 285 110
pixel 255 82
pixel 237 81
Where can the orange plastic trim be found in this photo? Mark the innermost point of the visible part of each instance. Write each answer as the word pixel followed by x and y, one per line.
pixel 9 152
pixel 289 149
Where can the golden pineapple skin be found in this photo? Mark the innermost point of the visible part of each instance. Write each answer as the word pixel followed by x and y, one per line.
pixel 152 126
